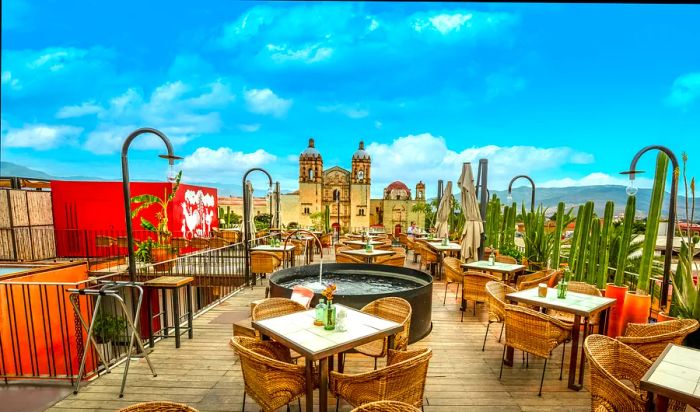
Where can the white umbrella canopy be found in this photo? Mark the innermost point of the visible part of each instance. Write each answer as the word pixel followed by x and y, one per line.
pixel 442 227
pixel 473 226
pixel 249 226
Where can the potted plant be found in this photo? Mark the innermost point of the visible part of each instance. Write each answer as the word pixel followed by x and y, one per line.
pixel 158 252
pixel 637 305
pixel 618 290
pixel 686 288
pixel 107 330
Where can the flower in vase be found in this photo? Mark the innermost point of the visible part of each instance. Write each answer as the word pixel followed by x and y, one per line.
pixel 329 291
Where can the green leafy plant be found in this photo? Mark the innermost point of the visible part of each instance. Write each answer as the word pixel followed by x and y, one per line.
pixel 160 228
pixel 512 252
pixel 428 210
pixel 109 328
pixel 228 218
pixel 538 243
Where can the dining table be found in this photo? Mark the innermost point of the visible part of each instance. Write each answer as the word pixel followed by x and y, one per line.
pixel 361 243
pixel 583 307
pixel 371 255
pixel 442 250
pixel 509 270
pixel 675 374
pixel 298 332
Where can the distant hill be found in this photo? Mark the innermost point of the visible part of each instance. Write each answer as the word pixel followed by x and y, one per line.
pixel 549 197
pixel 10 169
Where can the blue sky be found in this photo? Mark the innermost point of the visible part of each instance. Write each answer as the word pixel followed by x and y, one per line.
pixel 564 93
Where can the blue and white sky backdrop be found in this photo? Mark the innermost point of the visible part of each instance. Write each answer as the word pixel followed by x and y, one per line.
pixel 566 93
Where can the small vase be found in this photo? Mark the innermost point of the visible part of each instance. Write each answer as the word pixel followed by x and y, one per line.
pixel 330 316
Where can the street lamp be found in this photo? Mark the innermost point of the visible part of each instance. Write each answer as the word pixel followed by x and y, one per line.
pixel 125 184
pixel 510 189
pixel 632 190
pixel 246 219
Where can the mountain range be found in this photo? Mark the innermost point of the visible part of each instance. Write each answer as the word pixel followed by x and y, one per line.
pixel 548 197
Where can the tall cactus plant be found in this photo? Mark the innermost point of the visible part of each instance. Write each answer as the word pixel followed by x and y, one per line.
pixel 623 252
pixel 652 231
pixel 575 239
pixel 508 226
pixel 582 252
pixel 493 222
pixel 604 248
pixel 559 228
pixel 593 248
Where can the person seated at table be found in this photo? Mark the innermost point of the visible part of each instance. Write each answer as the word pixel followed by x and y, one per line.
pixel 412 230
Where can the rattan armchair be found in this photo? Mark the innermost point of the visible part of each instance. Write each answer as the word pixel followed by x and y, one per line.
pixel 218 242
pixel 386 406
pixel 273 307
pixel 263 262
pixel 199 243
pixel 345 258
pixel 403 380
pixel 496 292
pixel 397 259
pixel 578 287
pixel 533 279
pixel 158 406
pixel 651 339
pixel 326 240
pixel 536 333
pixel 428 256
pixel 474 288
pixel 269 377
pixel 616 370
pixel 392 308
pixel 453 274
pixel 506 259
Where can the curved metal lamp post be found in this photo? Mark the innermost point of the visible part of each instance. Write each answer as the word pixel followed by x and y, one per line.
pixel 532 182
pixel 125 183
pixel 632 190
pixel 246 217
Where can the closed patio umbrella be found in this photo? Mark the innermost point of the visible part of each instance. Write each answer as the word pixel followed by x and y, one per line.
pixel 442 227
pixel 473 226
pixel 249 226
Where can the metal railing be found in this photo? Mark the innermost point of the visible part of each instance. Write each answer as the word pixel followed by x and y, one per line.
pixel 40 335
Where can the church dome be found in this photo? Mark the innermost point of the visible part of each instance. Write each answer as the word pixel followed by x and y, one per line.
pixel 397 185
pixel 311 150
pixel 360 153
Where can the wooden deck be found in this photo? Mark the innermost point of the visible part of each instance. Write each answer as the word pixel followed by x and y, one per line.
pixel 204 373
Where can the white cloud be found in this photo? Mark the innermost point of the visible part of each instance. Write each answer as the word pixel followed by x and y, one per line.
pixel 265 101
pixel 249 128
pixel 596 179
pixel 55 59
pixel 40 136
pixel 219 95
pixel 83 109
pixel 464 22
pixel 426 157
pixel 9 81
pixel 685 90
pixel 353 112
pixel 221 164
pixel 308 53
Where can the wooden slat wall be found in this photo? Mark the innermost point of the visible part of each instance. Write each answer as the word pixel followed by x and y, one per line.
pixel 26 218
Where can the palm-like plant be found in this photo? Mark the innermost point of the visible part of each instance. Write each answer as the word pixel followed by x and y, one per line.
pixel 160 228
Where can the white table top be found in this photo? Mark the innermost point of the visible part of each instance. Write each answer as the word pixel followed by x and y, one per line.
pixel 444 248
pixel 269 248
pixel 355 236
pixel 374 252
pixel 298 331
pixel 675 374
pixel 359 242
pixel 497 267
pixel 576 303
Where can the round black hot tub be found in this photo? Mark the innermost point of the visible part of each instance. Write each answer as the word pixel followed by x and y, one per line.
pixel 360 284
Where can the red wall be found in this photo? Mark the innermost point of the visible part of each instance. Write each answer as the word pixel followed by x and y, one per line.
pixel 84 210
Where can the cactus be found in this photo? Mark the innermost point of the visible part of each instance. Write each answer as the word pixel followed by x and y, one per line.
pixel 593 249
pixel 604 248
pixel 583 227
pixel 508 227
pixel 657 197
pixel 557 235
pixel 493 222
pixel 625 240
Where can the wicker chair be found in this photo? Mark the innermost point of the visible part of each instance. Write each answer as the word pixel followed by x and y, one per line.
pixel 218 242
pixel 578 287
pixel 506 259
pixel 199 243
pixel 403 380
pixel 398 260
pixel 299 248
pixel 474 288
pixel 386 406
pixel 158 406
pixel 536 333
pixel 427 256
pixel 497 292
pixel 345 258
pixel 105 241
pixel 269 377
pixel 273 307
pixel 179 243
pixel 263 262
pixel 326 240
pixel 453 274
pixel 651 339
pixel 533 279
pixel 394 309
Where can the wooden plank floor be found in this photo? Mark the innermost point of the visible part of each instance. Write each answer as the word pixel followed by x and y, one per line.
pixel 205 374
